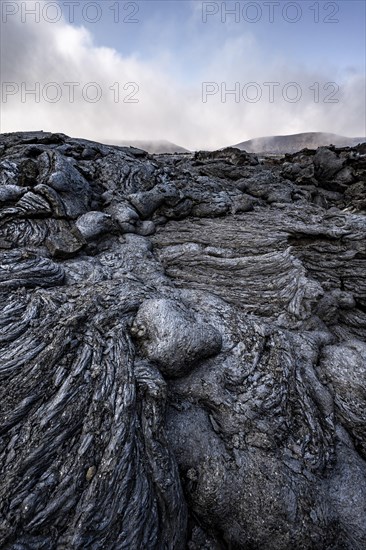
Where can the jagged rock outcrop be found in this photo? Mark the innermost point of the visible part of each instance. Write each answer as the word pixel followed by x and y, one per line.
pixel 182 348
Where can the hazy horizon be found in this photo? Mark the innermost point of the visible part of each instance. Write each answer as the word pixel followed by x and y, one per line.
pixel 198 74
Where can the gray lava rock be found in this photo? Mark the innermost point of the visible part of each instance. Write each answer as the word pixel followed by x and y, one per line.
pixel 182 348
pixel 62 176
pixel 94 224
pixel 9 193
pixel 172 338
pixel 326 163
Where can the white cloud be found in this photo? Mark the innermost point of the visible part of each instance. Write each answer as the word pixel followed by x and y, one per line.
pixel 166 109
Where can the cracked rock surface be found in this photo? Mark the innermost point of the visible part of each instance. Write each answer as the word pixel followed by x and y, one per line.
pixel 182 348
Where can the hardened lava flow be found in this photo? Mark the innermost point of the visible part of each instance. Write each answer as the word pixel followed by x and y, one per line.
pixel 182 348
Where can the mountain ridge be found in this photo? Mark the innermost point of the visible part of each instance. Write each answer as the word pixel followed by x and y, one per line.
pixel 292 143
pixel 153 147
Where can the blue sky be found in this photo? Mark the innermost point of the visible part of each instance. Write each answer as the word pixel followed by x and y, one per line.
pixel 169 52
pixel 176 27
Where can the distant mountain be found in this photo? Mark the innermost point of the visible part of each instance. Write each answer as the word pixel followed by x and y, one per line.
pixel 151 146
pixel 296 142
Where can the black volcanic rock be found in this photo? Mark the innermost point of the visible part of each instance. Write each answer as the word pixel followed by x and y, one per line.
pixel 182 348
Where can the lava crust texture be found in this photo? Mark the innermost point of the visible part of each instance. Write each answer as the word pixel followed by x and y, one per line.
pixel 182 348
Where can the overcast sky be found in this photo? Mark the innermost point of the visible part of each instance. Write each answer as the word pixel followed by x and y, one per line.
pixel 120 70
